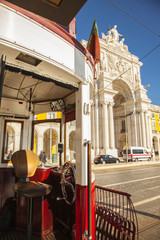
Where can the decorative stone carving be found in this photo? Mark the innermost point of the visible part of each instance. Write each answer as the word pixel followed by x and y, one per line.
pixel 116 35
pixel 137 77
pixel 118 66
pixel 122 42
pixel 109 36
pixel 103 63
pixel 111 63
pixel 112 38
pixel 110 104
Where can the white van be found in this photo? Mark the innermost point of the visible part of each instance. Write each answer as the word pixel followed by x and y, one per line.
pixel 136 153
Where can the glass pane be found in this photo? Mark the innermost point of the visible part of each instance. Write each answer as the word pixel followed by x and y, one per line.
pixel 71 145
pixel 12 139
pixel 45 142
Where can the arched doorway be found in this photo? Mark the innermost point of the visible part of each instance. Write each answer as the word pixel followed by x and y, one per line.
pixel 124 119
pixel 50 144
pixel 155 145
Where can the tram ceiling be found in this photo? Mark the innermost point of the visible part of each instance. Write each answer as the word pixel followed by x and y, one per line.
pixel 18 84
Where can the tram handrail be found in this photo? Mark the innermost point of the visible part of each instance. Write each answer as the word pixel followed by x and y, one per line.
pixel 118 204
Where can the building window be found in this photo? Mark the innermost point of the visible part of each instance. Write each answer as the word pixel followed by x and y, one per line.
pixel 123 130
pixel 154 126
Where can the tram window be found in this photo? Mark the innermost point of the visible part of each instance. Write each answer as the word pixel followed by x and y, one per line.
pixel 12 139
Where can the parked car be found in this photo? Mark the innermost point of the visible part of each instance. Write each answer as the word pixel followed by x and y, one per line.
pixel 102 159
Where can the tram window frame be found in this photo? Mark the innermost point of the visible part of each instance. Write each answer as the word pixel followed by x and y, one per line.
pixel 4 137
pixel 37 122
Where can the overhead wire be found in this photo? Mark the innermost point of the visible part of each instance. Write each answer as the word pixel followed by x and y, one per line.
pixel 152 50
pixel 144 25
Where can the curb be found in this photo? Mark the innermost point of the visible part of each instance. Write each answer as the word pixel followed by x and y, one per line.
pixel 124 165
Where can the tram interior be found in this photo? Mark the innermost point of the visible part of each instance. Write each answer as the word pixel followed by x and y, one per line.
pixel 54 213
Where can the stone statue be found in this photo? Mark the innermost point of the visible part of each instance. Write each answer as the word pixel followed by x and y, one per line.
pixel 109 36
pixel 122 42
pixel 115 34
pixel 103 63
pixel 103 36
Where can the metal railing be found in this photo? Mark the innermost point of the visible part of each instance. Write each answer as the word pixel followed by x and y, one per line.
pixel 115 215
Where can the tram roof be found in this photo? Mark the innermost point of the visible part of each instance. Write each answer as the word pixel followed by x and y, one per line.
pixel 46 86
pixel 53 26
pixel 60 11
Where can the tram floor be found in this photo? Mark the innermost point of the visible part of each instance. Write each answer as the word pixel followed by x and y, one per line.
pixel 14 235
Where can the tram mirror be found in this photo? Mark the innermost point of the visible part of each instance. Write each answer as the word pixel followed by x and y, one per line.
pixel 12 139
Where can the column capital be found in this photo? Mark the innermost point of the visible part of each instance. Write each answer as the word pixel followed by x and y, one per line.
pixel 105 102
pixel 96 104
pixel 110 104
pixel 91 102
pixel 142 111
pixel 146 112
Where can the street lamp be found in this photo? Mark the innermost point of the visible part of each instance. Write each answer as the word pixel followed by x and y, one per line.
pixel 147 86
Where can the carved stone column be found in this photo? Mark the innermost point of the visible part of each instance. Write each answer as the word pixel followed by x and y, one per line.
pixel 129 133
pixel 139 130
pixel 40 143
pixel 96 128
pixel 143 129
pixel 150 132
pixel 111 127
pixel 100 108
pixel 133 130
pixel 146 129
pixel 105 126
pixel 135 143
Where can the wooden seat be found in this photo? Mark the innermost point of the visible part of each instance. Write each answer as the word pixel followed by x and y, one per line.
pixel 25 163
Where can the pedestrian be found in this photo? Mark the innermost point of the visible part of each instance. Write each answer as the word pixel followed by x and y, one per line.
pixel 44 157
pixel 41 156
pixel 10 155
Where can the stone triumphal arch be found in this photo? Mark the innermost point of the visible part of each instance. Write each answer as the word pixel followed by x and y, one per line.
pixel 119 103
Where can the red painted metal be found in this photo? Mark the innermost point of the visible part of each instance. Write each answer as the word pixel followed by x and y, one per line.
pixel 82 210
pixel 41 174
pixel 115 215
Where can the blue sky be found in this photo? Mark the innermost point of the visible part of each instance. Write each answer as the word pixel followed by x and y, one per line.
pixel 140 40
